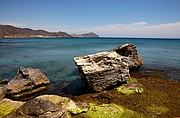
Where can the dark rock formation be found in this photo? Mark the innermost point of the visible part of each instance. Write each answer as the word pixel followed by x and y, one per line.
pixel 107 69
pixel 27 81
pixel 7 31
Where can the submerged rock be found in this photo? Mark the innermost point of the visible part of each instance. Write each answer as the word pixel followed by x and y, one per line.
pixel 27 81
pixel 107 69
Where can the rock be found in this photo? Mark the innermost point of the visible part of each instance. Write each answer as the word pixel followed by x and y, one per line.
pixel 107 69
pixel 109 111
pixel 66 104
pixel 132 86
pixel 63 102
pixel 3 88
pixel 39 108
pixel 3 91
pixel 130 55
pixel 81 108
pixel 7 106
pixel 48 106
pixel 27 81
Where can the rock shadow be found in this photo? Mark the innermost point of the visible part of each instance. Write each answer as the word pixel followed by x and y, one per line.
pixel 77 87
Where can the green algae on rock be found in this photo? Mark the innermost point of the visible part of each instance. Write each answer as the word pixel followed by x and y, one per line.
pixel 7 106
pixel 157 109
pixel 109 111
pixel 132 86
pixel 5 109
pixel 80 108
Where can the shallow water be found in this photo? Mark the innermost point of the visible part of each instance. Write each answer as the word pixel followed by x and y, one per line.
pixel 54 57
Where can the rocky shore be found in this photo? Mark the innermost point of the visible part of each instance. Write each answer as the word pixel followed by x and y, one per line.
pixel 140 94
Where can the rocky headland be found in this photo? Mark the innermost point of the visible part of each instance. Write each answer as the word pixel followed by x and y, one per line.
pixel 86 35
pixel 8 31
pixel 114 88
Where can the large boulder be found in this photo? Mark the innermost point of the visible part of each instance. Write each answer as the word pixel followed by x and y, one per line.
pixel 37 108
pixel 107 69
pixel 27 81
pixel 47 106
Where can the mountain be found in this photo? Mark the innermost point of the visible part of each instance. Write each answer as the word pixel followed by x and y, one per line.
pixel 86 35
pixel 7 31
pixel 89 35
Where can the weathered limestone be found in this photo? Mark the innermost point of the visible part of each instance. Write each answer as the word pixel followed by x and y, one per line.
pixel 27 81
pixel 107 69
pixel 129 55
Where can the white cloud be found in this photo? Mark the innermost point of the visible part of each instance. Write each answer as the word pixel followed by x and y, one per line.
pixel 137 29
pixel 13 23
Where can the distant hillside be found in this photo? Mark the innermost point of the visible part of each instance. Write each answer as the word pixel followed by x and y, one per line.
pixel 7 31
pixel 91 34
pixel 86 35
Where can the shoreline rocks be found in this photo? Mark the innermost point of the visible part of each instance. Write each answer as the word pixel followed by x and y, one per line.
pixel 107 69
pixel 45 106
pixel 26 81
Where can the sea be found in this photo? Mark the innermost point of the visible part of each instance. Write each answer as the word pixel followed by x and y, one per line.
pixel 54 56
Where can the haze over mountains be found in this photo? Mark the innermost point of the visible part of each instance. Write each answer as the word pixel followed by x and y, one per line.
pixel 8 31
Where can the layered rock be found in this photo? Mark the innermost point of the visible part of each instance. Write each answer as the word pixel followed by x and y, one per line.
pixel 129 55
pixel 107 69
pixel 27 81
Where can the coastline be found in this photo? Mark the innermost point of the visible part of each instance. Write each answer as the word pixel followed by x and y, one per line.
pixel 158 91
pixel 160 97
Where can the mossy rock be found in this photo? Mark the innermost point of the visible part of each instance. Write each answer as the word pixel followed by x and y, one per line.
pixel 110 111
pixel 78 110
pixel 132 86
pixel 157 110
pixel 5 109
pixel 7 106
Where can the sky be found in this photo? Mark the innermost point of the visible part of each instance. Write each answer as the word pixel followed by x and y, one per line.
pixel 108 18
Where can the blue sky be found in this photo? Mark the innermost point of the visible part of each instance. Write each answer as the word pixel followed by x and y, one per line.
pixel 119 18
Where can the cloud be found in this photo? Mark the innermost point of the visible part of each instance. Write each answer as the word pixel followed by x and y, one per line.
pixel 13 23
pixel 137 29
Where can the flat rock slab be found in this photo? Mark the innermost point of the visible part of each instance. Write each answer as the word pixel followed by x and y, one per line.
pixel 106 69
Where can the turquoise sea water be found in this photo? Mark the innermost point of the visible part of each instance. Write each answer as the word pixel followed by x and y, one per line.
pixel 54 57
